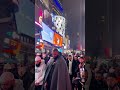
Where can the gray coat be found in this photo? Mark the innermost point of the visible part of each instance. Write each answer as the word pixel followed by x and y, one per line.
pixel 60 78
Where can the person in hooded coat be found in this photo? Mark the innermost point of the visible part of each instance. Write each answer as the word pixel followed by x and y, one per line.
pixel 57 76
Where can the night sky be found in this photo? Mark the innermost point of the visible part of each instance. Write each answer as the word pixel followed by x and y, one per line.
pixel 75 16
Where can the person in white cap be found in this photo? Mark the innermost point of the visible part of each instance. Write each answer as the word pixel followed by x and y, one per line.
pixel 40 68
pixel 8 82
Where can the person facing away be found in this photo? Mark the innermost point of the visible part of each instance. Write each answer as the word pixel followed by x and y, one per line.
pixel 112 82
pixel 23 75
pixel 8 82
pixel 98 83
pixel 57 76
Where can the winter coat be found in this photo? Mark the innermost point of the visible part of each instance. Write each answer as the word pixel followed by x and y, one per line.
pixel 60 77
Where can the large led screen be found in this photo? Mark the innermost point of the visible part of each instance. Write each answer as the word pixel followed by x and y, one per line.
pixel 38 12
pixel 47 33
pixel 58 40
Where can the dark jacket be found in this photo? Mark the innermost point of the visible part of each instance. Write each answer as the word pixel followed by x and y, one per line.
pixel 46 59
pixel 74 67
pixel 115 87
pixel 98 85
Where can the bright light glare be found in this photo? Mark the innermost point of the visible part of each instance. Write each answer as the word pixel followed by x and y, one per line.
pixel 38 24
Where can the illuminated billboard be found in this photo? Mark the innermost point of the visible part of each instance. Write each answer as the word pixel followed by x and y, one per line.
pixel 58 40
pixel 38 15
pixel 59 22
pixel 47 33
pixel 47 18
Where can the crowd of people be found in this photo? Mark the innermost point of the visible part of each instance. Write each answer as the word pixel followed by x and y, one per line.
pixel 57 71
pixel 16 76
pixel 78 72
pixel 105 75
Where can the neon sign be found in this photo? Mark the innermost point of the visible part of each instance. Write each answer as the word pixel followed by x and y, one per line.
pixel 38 24
pixel 40 20
pixel 58 5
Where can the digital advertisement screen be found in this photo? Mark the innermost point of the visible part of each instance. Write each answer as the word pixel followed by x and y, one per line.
pixel 47 33
pixel 47 18
pixel 58 40
pixel 38 13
